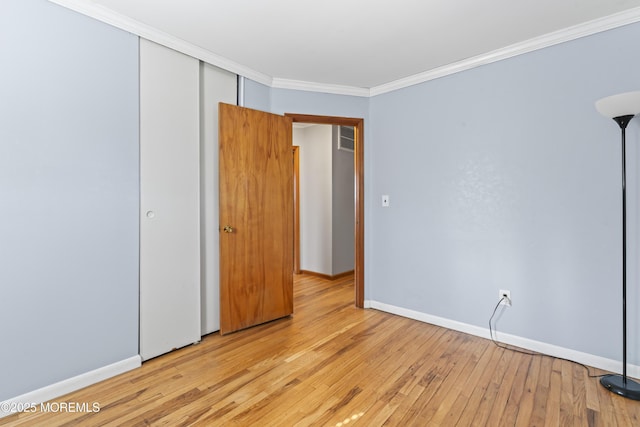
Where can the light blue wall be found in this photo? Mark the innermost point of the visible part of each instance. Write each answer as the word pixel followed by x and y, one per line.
pixel 257 96
pixel 69 190
pixel 322 104
pixel 281 101
pixel 506 177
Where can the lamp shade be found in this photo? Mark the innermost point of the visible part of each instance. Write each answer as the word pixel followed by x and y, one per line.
pixel 622 104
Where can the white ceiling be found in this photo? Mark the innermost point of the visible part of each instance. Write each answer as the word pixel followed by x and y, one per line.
pixel 357 43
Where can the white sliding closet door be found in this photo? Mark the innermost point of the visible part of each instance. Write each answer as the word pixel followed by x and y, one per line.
pixel 169 200
pixel 216 85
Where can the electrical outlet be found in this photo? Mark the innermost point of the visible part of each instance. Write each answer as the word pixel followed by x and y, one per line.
pixel 505 297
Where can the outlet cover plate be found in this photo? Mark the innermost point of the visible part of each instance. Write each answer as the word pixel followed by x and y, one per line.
pixel 507 301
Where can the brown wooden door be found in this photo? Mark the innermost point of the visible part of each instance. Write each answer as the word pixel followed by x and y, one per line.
pixel 256 202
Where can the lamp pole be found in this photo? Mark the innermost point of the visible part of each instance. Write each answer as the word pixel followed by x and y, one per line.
pixel 622 108
pixel 623 121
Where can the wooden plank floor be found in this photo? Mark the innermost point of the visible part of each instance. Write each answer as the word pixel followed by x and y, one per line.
pixel 331 364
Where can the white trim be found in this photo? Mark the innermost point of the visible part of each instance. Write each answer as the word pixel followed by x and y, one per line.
pixel 567 34
pixel 145 31
pixel 537 346
pixel 320 87
pixel 69 385
pixel 125 23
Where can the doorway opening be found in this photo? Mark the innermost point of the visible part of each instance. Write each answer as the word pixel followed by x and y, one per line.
pixel 358 167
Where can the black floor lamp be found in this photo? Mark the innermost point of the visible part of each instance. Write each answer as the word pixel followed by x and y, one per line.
pixel 622 108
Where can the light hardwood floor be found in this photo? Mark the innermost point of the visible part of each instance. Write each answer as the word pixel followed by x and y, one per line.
pixel 331 364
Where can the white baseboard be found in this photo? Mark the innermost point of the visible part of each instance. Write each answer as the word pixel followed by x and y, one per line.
pixel 537 346
pixel 71 384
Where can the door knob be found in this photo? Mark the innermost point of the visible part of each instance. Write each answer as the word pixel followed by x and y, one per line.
pixel 228 229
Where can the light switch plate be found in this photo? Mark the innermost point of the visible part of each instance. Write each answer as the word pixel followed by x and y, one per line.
pixel 385 200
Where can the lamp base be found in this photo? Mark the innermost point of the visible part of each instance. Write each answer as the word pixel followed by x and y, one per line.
pixel 617 384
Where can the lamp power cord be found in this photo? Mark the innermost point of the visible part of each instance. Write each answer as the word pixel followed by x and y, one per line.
pixel 530 353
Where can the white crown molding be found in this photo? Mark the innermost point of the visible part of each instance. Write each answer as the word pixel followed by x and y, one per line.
pixel 320 87
pixel 130 25
pixel 567 34
pixel 125 23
